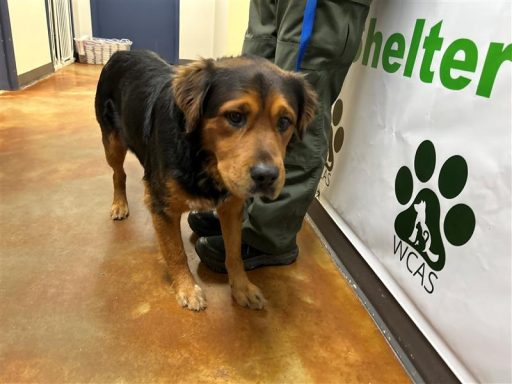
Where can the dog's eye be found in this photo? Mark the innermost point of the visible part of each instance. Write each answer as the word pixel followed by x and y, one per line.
pixel 236 119
pixel 283 123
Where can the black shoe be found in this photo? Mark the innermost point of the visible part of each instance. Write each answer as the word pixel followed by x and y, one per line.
pixel 204 223
pixel 211 252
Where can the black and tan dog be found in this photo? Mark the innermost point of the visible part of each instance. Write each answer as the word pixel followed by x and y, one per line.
pixel 208 134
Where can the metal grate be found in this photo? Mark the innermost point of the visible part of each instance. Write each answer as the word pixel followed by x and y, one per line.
pixel 61 33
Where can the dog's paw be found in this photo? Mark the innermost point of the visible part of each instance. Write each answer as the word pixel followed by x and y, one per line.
pixel 248 295
pixel 191 297
pixel 119 211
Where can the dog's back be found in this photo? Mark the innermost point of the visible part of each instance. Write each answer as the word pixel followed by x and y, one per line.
pixel 128 88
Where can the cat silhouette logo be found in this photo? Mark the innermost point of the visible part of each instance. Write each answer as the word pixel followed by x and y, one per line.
pixel 419 225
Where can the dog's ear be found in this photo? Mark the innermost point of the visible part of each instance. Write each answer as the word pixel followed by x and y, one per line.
pixel 190 84
pixel 307 101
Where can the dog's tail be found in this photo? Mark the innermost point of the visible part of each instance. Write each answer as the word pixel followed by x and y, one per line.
pixel 110 116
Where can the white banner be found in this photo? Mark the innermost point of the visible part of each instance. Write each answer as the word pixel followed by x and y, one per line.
pixel 419 171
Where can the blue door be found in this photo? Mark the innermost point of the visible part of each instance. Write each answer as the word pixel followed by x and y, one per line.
pixel 149 24
pixel 8 73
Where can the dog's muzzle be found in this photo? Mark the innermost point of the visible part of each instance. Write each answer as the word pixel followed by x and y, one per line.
pixel 264 177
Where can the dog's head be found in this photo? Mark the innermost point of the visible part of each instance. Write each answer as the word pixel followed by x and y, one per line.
pixel 247 110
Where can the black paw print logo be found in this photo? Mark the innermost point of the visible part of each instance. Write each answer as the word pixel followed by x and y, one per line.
pixel 337 134
pixel 421 225
pixel 335 141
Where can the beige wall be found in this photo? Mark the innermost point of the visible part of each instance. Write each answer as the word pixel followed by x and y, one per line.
pixel 197 19
pixel 238 18
pixel 220 28
pixel 212 28
pixel 29 34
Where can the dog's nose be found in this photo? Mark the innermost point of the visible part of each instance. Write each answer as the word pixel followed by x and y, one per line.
pixel 264 175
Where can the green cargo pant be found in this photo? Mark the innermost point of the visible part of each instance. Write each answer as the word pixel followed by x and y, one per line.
pixel 274 32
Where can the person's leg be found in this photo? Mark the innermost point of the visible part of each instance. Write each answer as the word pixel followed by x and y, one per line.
pixel 272 226
pixel 261 35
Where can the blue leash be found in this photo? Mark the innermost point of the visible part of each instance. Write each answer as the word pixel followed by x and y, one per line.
pixel 307 30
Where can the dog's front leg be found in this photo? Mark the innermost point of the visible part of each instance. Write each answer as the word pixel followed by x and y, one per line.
pixel 188 293
pixel 244 292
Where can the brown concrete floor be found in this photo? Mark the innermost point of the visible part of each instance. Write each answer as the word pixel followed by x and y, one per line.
pixel 85 299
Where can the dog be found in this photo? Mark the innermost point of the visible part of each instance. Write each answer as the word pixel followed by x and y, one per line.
pixel 209 134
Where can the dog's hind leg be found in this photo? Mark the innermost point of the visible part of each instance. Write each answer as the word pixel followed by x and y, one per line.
pixel 115 152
